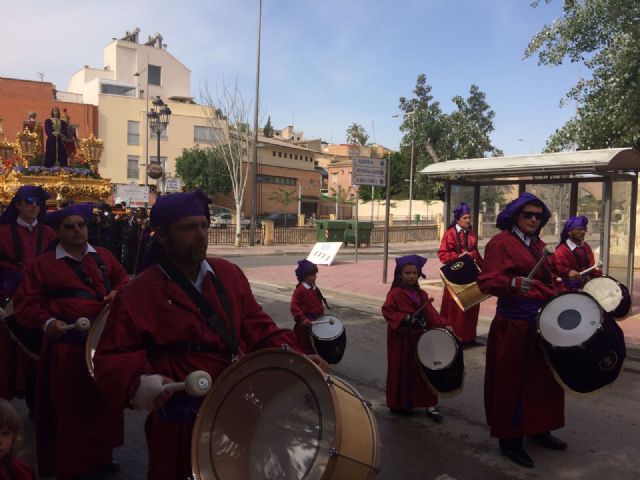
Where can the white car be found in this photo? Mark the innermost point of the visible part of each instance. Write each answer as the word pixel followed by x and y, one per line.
pixel 223 220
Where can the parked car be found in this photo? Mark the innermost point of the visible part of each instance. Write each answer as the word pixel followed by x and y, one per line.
pixel 282 219
pixel 223 220
pixel 216 209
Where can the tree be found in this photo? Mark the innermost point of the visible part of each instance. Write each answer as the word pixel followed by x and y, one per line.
pixel 284 198
pixel 204 169
pixel 268 129
pixel 228 118
pixel 357 135
pixel 603 35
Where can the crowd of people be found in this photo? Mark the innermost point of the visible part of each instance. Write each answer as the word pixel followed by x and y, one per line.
pixel 183 312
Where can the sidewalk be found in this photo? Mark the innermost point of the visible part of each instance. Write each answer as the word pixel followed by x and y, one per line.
pixel 361 282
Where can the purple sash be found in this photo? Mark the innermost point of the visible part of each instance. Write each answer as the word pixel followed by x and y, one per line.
pixel 518 308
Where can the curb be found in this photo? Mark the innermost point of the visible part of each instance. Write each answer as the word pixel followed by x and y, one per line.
pixel 226 251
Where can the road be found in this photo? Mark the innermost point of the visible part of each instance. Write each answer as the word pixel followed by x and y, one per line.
pixel 602 429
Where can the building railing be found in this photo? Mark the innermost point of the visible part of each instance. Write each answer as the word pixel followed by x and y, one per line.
pixel 222 236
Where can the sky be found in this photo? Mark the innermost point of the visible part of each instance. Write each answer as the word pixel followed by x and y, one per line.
pixel 324 63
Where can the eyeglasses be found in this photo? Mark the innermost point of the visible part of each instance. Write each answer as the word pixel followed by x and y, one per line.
pixel 32 200
pixel 72 226
pixel 528 215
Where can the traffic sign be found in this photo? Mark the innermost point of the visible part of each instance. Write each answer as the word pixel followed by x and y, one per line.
pixel 368 171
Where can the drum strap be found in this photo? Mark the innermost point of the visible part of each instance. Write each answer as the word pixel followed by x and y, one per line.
pixel 79 271
pixel 213 319
pixel 18 252
pixel 464 244
pixel 582 262
pixel 321 297
pixel 546 275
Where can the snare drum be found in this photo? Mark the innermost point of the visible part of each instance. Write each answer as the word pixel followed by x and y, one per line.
pixel 441 360
pixel 329 338
pixel 275 414
pixel 459 278
pixel 90 346
pixel 612 295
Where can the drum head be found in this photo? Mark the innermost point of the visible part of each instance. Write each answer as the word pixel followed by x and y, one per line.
pixel 437 349
pixel 462 271
pixel 94 338
pixel 607 292
pixel 327 327
pixel 570 319
pixel 271 415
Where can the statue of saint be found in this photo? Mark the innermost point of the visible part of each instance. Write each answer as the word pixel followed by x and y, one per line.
pixel 35 127
pixel 57 131
pixel 71 142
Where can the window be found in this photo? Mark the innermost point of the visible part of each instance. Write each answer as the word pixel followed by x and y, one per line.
pixel 280 154
pixel 133 166
pixel 296 156
pixel 290 155
pixel 154 75
pixel 276 180
pixel 205 134
pixel 122 90
pixel 133 133
pixel 163 135
pixel 274 153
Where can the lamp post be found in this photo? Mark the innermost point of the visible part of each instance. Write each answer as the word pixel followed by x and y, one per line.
pixel 410 114
pixel 146 119
pixel 254 149
pixel 158 118
pixel 527 142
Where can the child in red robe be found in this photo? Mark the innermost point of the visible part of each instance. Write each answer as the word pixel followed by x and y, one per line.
pixel 306 303
pixel 11 467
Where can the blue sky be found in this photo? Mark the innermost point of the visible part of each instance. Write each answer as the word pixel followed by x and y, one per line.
pixel 325 63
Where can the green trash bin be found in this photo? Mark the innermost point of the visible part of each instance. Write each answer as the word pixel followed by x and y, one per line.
pixel 330 230
pixel 364 233
pixel 416 217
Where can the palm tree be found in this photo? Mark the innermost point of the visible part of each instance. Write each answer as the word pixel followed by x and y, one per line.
pixel 356 134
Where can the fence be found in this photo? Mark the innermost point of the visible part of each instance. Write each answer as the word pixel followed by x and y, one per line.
pixel 222 236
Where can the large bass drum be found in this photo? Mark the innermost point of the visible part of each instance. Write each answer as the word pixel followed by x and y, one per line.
pixel 584 346
pixel 612 295
pixel 275 415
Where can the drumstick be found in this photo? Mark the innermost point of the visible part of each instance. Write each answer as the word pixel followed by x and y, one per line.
pixel 545 253
pixel 597 265
pixel 318 322
pixel 7 311
pixel 81 324
pixel 197 384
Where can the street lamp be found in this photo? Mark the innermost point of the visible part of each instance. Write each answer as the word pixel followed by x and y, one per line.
pixel 158 118
pixel 410 114
pixel 254 149
pixel 527 142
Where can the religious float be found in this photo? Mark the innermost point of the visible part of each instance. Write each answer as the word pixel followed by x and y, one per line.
pixel 80 182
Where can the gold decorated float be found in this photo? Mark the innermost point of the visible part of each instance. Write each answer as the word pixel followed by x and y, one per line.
pixel 80 182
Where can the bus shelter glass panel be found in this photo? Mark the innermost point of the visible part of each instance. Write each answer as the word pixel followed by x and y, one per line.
pixel 621 210
pixel 460 193
pixel 557 197
pixel 493 199
pixel 590 205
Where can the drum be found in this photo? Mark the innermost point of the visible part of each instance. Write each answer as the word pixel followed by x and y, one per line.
pixel 612 295
pixel 329 338
pixel 441 360
pixel 459 278
pixel 28 339
pixel 583 345
pixel 90 346
pixel 275 415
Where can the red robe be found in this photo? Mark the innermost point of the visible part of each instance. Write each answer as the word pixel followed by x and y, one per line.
pixel 521 395
pixel 579 259
pixel 15 365
pixel 15 469
pixel 406 388
pixel 305 303
pixel 76 430
pixel 464 323
pixel 137 340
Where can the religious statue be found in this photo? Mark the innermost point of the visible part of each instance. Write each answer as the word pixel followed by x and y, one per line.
pixel 57 131
pixel 35 127
pixel 71 142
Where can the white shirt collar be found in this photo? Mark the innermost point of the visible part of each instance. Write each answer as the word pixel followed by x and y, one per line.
pixel 28 226
pixel 61 253
pixel 524 237
pixel 307 286
pixel 205 268
pixel 458 228
pixel 572 245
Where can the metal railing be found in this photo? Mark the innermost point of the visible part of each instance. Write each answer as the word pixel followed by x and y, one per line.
pixel 222 236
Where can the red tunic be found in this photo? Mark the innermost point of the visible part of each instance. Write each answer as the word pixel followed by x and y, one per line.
pixel 15 469
pixel 305 303
pixel 406 388
pixel 464 323
pixel 15 365
pixel 71 414
pixel 520 393
pixel 579 259
pixel 137 340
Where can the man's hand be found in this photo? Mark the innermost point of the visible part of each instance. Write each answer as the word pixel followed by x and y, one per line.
pixel 150 395
pixel 574 274
pixel 408 319
pixel 524 284
pixel 54 329
pixel 307 323
pixel 318 360
pixel 109 298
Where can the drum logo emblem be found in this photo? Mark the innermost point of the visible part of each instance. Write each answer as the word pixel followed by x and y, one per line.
pixel 609 361
pixel 457 266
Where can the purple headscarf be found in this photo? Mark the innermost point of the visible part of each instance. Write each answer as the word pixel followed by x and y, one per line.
pixel 459 212
pixel 170 208
pixel 28 191
pixel 416 260
pixel 572 223
pixel 509 216
pixel 85 210
pixel 304 267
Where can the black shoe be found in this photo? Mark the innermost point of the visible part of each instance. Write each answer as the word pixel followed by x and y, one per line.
pixel 549 441
pixel 471 344
pixel 403 412
pixel 113 467
pixel 514 451
pixel 434 414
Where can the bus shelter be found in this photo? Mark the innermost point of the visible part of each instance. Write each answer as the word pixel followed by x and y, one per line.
pixel 600 184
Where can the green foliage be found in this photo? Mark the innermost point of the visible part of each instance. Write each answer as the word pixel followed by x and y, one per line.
pixel 356 134
pixel 604 36
pixel 284 197
pixel 203 168
pixel 268 128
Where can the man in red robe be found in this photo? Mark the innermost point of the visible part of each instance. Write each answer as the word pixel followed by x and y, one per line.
pixel 460 240
pixel 23 236
pixel 522 398
pixel 574 255
pixel 184 312
pixel 76 431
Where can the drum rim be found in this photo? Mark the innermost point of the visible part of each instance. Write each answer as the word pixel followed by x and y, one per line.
pixel 98 324
pixel 455 342
pixel 325 339
pixel 569 292
pixel 212 400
